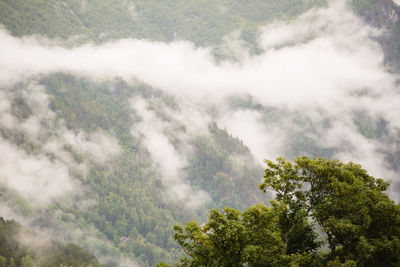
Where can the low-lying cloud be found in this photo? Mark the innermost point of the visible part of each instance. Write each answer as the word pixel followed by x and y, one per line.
pixel 34 178
pixel 168 161
pixel 42 174
pixel 324 64
pixel 335 55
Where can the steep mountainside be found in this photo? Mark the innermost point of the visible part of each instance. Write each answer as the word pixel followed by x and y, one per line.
pixel 384 15
pixel 21 247
pixel 112 163
pixel 203 22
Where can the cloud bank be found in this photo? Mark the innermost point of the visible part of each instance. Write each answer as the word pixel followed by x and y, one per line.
pixel 34 178
pixel 42 174
pixel 168 161
pixel 335 55
pixel 324 65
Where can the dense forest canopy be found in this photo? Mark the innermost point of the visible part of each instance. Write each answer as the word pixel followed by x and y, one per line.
pixel 21 247
pixel 120 119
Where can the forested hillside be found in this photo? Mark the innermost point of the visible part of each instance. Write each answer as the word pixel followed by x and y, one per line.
pixel 125 191
pixel 21 247
pixel 203 22
pixel 383 14
pixel 120 119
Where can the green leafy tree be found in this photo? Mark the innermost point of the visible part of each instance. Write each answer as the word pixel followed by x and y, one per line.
pixel 50 255
pixel 3 261
pixel 359 223
pixel 230 238
pixel 27 261
pixel 296 228
pixel 11 263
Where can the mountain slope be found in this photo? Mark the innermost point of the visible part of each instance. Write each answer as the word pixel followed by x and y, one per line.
pixel 124 160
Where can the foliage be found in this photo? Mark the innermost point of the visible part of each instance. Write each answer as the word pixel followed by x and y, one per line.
pixel 383 14
pixel 14 251
pixel 202 22
pixel 224 168
pixel 233 239
pixel 49 18
pixel 126 191
pixel 346 202
pixel 359 223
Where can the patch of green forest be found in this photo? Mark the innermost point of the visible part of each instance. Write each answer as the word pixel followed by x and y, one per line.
pixel 20 247
pixel 202 22
pixel 127 191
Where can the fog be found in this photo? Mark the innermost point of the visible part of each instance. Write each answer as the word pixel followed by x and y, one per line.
pixel 324 65
pixel 35 178
pixel 42 174
pixel 335 55
pixel 168 161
